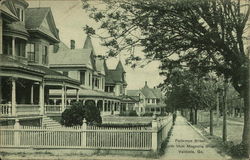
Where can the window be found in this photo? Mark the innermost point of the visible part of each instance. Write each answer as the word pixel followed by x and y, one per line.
pixel 19 47
pixel 20 14
pixel 148 100
pixel 112 88
pixel 30 48
pixel 82 77
pixel 45 55
pixel 65 73
pixel 103 84
pixel 153 100
pixel 97 82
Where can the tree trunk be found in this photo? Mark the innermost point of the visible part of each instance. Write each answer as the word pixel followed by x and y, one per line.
pixel 211 122
pixel 217 108
pixel 246 129
pixel 195 116
pixel 191 116
pixel 224 131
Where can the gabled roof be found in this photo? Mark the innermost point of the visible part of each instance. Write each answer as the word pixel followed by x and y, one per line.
pixel 119 67
pixel 74 58
pixel 34 17
pixel 147 92
pixel 88 43
pixel 62 47
pixel 116 75
pixel 132 92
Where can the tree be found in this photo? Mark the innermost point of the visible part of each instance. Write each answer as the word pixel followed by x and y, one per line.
pixel 211 31
pixel 74 116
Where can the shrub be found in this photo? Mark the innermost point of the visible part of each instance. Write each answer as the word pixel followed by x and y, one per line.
pixel 239 151
pixel 75 115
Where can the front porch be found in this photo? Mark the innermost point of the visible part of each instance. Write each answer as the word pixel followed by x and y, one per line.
pixel 28 98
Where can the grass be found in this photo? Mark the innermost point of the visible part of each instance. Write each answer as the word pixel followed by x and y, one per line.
pixel 164 144
pixel 234 131
pixel 234 134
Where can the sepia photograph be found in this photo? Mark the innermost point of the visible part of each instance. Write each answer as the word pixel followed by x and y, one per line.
pixel 124 79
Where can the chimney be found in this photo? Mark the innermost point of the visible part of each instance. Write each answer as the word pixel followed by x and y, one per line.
pixel 72 44
pixel 146 84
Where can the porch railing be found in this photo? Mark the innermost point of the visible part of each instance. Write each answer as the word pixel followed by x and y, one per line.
pixel 27 109
pixel 53 109
pixel 6 109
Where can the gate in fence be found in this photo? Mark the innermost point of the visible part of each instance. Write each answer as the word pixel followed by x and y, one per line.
pixel 132 138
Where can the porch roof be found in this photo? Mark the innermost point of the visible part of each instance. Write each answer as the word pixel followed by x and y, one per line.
pixel 128 99
pixel 54 75
pixel 93 93
pixel 10 63
pixel 155 106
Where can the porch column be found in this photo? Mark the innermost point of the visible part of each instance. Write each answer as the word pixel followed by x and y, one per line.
pixel 32 94
pixel 63 98
pixel 65 94
pixel 13 96
pixel 13 46
pixel 41 97
pixel 77 94
pixel 96 102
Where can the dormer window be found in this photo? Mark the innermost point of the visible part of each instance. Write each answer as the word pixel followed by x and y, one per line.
pixel 20 14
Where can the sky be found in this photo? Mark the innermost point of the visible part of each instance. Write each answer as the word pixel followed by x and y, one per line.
pixel 70 19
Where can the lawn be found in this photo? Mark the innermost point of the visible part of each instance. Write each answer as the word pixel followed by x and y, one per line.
pixel 234 131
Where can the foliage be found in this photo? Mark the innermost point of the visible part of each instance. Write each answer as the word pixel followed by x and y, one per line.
pixel 187 89
pixel 92 113
pixel 203 35
pixel 130 113
pixel 75 115
pixel 239 151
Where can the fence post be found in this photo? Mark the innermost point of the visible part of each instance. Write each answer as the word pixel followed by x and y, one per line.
pixel 17 133
pixel 154 135
pixel 84 133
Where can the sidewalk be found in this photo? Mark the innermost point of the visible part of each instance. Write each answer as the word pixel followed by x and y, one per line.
pixel 186 144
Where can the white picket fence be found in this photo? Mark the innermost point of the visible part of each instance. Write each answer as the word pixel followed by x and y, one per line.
pixel 132 138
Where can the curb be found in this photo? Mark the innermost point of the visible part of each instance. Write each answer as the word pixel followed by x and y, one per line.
pixel 198 131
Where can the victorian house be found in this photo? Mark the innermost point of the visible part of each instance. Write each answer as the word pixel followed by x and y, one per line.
pixel 148 100
pixel 106 87
pixel 25 76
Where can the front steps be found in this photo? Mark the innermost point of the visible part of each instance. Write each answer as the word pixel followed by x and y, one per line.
pixel 49 123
